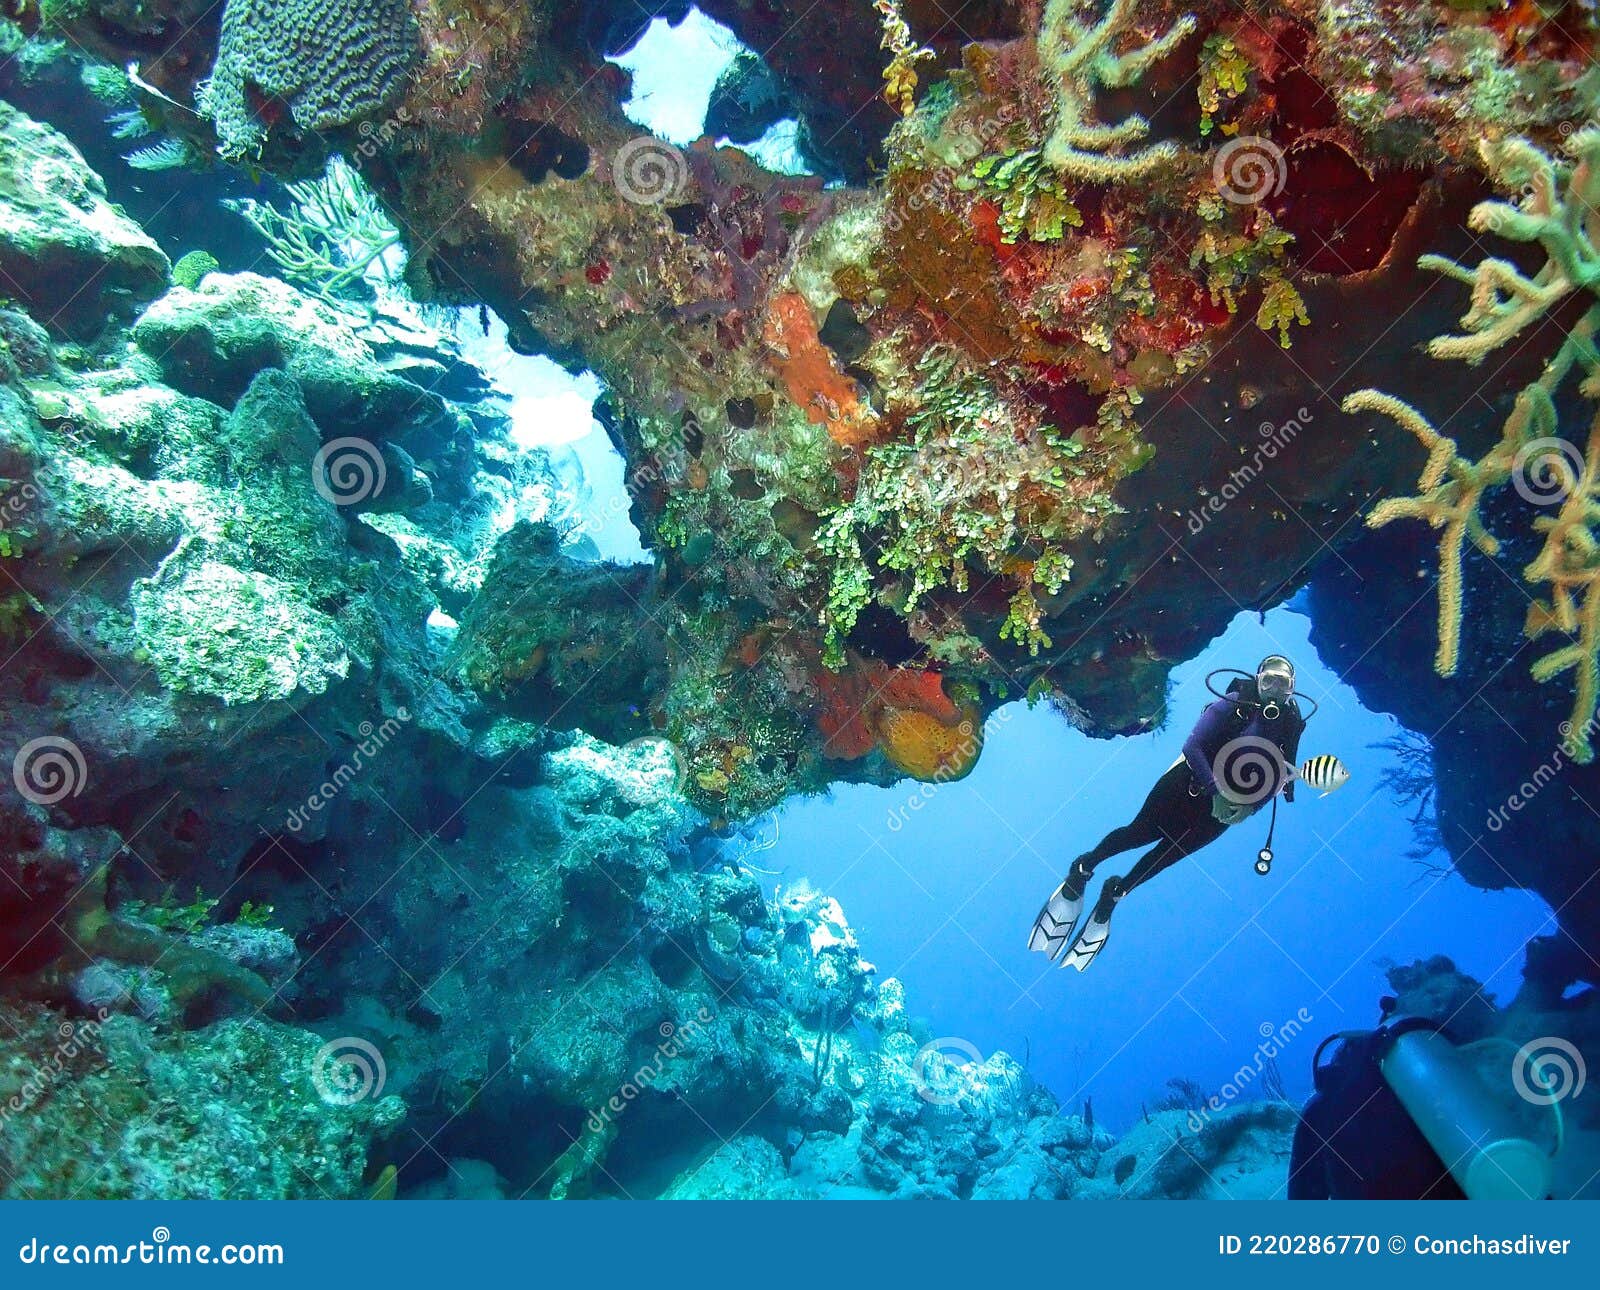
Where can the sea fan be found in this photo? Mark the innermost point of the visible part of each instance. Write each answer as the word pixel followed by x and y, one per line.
pixel 130 123
pixel 169 154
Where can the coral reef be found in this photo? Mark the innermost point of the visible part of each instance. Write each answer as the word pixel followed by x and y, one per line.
pixel 327 739
pixel 561 642
pixel 925 420
pixel 905 713
pixel 644 989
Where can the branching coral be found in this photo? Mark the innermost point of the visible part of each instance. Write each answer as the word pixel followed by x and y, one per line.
pixel 1557 211
pixel 1079 55
pixel 1569 563
pixel 968 486
pixel 332 235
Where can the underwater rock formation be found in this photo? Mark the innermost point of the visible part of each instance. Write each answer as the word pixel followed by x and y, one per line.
pixel 560 642
pixel 1238 1153
pixel 187 566
pixel 291 625
pixel 110 1108
pixel 646 999
pixel 1508 811
pixel 928 422
pixel 65 252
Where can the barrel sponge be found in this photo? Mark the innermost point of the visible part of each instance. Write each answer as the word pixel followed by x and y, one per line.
pixel 328 61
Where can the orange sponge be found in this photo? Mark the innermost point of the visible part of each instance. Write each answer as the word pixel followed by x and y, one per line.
pixel 904 711
pixel 928 749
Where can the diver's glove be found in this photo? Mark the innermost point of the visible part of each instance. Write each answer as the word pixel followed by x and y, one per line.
pixel 1224 811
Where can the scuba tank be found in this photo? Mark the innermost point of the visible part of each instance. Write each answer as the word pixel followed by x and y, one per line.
pixel 1401 1113
pixel 1474 1134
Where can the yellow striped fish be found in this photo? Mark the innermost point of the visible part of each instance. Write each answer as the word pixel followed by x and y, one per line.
pixel 1326 772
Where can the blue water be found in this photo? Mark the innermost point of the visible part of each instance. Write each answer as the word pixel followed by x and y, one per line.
pixel 1204 960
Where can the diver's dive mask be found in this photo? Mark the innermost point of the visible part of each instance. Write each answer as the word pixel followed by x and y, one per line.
pixel 1274 684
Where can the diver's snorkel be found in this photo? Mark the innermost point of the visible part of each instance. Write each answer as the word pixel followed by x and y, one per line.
pixel 1478 1139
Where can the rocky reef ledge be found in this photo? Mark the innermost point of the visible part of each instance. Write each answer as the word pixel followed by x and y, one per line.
pixel 294 908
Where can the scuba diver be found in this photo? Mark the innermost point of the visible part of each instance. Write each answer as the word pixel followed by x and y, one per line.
pixel 1240 754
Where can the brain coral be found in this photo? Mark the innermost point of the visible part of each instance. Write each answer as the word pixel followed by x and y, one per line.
pixel 327 61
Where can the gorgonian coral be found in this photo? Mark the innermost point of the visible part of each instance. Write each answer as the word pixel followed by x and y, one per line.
pixel 1079 54
pixel 1555 210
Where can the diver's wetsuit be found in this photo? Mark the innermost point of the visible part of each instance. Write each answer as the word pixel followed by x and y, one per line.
pixel 1177 813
